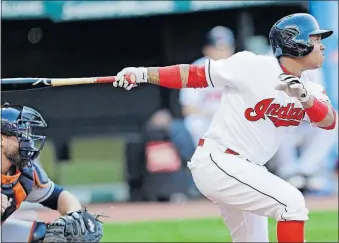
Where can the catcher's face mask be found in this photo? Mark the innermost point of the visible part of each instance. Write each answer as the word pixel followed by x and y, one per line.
pixel 20 122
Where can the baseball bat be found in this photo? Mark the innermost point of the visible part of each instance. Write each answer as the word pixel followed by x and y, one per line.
pixel 11 84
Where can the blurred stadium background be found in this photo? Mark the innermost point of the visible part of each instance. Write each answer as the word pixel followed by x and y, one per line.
pixel 98 137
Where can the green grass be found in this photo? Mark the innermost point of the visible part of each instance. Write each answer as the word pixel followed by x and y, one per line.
pixel 322 227
pixel 92 161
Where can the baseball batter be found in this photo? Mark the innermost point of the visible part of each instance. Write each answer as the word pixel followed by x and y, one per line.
pixel 22 180
pixel 262 97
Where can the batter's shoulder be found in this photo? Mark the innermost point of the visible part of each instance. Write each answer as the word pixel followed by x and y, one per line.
pixel 314 76
pixel 254 62
pixel 244 54
pixel 317 90
pixel 313 86
pixel 252 58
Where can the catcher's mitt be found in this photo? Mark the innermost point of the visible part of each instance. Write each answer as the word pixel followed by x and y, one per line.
pixel 79 226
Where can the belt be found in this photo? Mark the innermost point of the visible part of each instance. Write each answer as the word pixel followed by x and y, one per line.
pixel 227 151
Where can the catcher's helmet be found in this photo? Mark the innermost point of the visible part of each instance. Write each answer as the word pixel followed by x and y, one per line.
pixel 290 35
pixel 19 121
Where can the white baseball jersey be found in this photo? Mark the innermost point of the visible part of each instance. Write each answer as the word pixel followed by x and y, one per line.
pixel 253 115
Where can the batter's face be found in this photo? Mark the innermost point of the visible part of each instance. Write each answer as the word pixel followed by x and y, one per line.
pixel 316 58
pixel 10 150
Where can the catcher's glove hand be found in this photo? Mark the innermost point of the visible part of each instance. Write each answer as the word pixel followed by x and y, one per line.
pixel 79 226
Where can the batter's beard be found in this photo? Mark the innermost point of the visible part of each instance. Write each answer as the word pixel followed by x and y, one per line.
pixel 16 159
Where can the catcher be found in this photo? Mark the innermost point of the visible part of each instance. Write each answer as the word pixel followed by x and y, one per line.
pixel 22 180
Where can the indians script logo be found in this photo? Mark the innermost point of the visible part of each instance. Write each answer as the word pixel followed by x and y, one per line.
pixel 281 116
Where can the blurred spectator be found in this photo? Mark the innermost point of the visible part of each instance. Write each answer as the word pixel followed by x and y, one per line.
pixel 162 126
pixel 199 105
pixel 157 167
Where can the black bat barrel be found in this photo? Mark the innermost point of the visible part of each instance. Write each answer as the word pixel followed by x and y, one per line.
pixel 11 84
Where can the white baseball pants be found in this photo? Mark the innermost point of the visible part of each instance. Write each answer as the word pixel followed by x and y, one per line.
pixel 245 192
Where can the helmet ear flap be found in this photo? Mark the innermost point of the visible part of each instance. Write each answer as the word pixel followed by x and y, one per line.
pixel 305 49
pixel 284 42
pixel 275 48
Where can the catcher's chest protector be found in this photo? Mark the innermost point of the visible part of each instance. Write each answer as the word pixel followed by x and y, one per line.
pixel 16 187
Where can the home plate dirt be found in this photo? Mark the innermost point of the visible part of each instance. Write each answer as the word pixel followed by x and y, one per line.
pixel 132 212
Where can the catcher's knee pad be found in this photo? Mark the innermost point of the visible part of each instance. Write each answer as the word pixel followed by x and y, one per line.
pixel 38 232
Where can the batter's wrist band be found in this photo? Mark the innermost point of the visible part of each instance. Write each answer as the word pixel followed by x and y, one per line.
pixel 197 77
pixel 318 111
pixel 170 77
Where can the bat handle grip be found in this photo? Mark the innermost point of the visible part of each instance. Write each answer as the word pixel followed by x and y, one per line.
pixel 108 79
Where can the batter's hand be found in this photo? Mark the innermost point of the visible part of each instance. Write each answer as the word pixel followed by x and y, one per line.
pixel 130 77
pixel 293 87
pixel 5 203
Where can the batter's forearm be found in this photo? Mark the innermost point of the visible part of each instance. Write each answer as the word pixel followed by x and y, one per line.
pixel 177 76
pixel 321 113
pixel 153 75
pixel 67 203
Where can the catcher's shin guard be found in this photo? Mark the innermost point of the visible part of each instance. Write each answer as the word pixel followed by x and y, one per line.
pixel 38 232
